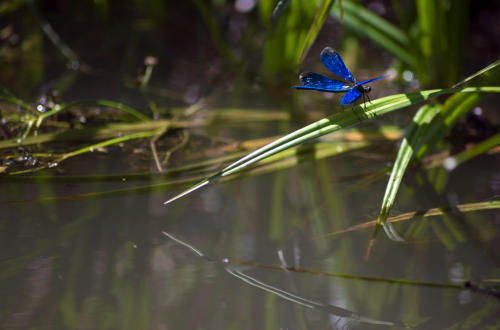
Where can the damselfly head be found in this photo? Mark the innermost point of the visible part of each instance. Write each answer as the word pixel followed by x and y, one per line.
pixel 364 89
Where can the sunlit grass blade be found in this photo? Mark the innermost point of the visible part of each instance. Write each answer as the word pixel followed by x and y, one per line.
pixel 451 112
pixel 428 127
pixel 92 133
pixel 453 161
pixel 409 146
pixel 366 22
pixel 419 215
pixel 334 123
pixel 440 40
pixel 479 73
pixel 317 23
pixel 105 103
pixel 56 159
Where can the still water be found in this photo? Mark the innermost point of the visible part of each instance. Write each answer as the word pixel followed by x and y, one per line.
pixel 105 262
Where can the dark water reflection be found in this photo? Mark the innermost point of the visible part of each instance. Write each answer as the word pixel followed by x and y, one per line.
pixel 104 263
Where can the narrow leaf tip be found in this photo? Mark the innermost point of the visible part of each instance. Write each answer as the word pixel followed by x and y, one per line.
pixel 186 192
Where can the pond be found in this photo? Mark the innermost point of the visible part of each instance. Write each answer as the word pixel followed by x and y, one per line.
pixel 286 243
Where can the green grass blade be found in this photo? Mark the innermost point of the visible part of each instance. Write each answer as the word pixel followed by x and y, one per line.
pixel 213 26
pixel 479 73
pixel 427 132
pixel 286 39
pixel 8 97
pixel 376 21
pixel 105 103
pixel 317 23
pixel 345 119
pixel 91 148
pixel 334 123
pixel 365 22
pixel 439 40
pixel 453 161
pixel 407 149
pixel 95 133
pixel 429 126
pixel 464 208
pixel 454 108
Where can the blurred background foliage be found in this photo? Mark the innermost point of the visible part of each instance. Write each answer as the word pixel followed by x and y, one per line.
pixel 427 38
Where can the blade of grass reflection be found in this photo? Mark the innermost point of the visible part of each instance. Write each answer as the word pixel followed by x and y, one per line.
pixel 234 267
pixel 306 302
pixel 333 201
pixel 160 187
pixel 301 319
pixel 277 162
pixel 310 196
pixel 77 238
pixel 443 235
pixel 434 183
pixel 43 188
pixel 348 276
pixel 10 267
pixel 367 179
pixel 421 215
pixel 278 210
pixel 190 247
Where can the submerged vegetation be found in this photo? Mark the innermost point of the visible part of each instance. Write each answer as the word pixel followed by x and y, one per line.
pixel 130 101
